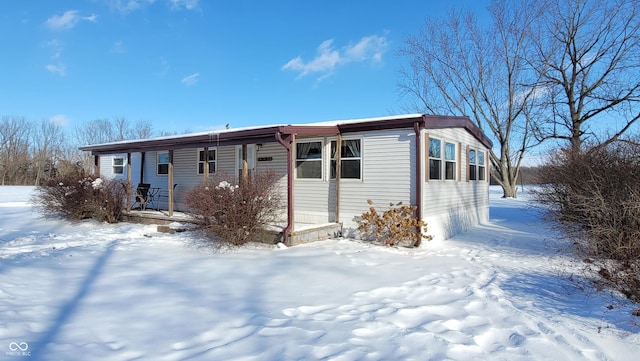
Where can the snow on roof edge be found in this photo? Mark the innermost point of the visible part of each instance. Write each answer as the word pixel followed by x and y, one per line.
pixel 219 131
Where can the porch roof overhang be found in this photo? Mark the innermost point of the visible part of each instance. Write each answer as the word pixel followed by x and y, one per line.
pixel 268 134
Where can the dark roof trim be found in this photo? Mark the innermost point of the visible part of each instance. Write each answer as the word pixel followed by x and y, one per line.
pixel 268 133
pixel 439 122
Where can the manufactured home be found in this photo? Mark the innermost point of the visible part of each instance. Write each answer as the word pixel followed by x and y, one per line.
pixel 328 170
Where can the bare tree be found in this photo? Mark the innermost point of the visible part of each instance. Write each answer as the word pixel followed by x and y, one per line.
pixel 143 129
pixel 587 53
pixel 47 150
pixel 14 149
pixel 457 67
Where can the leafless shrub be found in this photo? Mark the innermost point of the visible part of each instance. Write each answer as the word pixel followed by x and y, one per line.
pixel 237 213
pixel 594 198
pixel 395 226
pixel 77 197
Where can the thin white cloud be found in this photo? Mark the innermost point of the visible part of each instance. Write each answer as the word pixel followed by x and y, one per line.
pixel 60 119
pixel 186 4
pixel 128 6
pixel 118 48
pixel 329 58
pixel 164 66
pixel 56 69
pixel 57 48
pixel 68 20
pixel 191 79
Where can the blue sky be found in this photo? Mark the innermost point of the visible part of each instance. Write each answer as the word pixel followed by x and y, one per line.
pixel 197 65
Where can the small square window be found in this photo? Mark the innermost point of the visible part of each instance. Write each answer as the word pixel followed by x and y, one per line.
pixel 163 162
pixel 118 165
pixel 309 160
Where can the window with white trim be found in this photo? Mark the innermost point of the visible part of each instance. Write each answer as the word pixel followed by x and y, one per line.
pixel 449 161
pixel 118 165
pixel 473 170
pixel 435 158
pixel 163 162
pixel 309 160
pixel 481 166
pixel 350 159
pixel 210 158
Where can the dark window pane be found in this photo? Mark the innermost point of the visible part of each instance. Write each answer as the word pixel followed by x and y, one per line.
pixel 309 169
pixel 472 172
pixel 350 169
pixel 450 170
pixel 481 173
pixel 434 169
pixel 163 169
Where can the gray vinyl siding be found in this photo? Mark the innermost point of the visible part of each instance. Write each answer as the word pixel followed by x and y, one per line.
pixel 106 166
pixel 387 174
pixel 452 206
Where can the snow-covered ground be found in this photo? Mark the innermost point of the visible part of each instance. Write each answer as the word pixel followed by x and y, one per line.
pixel 92 291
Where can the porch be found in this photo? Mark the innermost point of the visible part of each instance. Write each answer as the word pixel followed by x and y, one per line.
pixel 300 234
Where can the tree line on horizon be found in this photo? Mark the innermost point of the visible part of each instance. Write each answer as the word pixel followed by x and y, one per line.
pixel 33 152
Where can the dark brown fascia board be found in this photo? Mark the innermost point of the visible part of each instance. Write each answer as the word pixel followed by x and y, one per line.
pixel 440 122
pixel 427 121
pixel 242 136
pixel 268 134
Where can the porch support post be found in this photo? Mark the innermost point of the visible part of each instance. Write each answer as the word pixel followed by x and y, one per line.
pixel 418 168
pixel 142 158
pixel 288 145
pixel 170 185
pixel 206 163
pixel 128 186
pixel 338 175
pixel 245 164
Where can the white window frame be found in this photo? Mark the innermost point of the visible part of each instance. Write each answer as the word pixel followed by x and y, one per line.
pixel 435 158
pixel 320 160
pixel 159 155
pixel 472 160
pixel 482 175
pixel 200 162
pixel 452 161
pixel 116 166
pixel 333 159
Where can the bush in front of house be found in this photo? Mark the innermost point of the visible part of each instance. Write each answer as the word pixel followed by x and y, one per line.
pixel 77 197
pixel 237 213
pixel 593 197
pixel 395 226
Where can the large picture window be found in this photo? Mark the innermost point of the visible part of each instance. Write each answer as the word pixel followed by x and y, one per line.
pixel 209 157
pixel 435 158
pixel 350 159
pixel 118 165
pixel 163 162
pixel 309 160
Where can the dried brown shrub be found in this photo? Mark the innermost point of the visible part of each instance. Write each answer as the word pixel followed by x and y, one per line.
pixel 237 213
pixel 76 197
pixel 395 226
pixel 594 199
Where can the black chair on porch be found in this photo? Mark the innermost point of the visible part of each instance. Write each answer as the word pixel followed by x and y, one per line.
pixel 142 198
